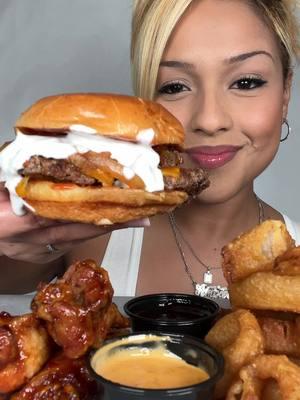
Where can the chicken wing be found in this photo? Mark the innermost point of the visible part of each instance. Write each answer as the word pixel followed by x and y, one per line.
pixel 112 324
pixel 75 306
pixel 61 379
pixel 24 348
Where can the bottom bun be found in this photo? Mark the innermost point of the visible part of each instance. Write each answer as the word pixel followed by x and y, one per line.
pixel 94 213
pixel 96 205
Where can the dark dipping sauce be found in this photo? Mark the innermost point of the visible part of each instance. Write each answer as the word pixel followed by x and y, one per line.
pixel 175 312
pixel 172 312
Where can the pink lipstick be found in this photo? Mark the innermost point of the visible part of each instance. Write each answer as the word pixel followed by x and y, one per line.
pixel 211 157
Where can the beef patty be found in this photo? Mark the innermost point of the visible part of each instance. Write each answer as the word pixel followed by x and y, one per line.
pixel 191 181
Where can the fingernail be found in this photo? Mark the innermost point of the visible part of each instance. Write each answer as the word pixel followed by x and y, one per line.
pixel 146 222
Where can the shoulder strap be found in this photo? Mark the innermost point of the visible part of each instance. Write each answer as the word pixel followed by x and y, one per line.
pixel 122 259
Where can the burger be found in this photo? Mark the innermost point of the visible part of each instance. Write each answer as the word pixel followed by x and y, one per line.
pixel 97 158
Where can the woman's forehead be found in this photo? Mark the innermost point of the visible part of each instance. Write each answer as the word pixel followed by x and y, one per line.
pixel 220 28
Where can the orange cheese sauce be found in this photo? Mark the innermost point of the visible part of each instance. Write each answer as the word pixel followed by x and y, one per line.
pixel 149 369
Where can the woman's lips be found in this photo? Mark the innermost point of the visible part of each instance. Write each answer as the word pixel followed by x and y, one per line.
pixel 211 157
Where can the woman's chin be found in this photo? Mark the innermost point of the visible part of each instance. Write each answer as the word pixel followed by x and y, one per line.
pixel 219 192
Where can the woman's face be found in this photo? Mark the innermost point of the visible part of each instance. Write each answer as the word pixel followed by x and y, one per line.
pixel 221 76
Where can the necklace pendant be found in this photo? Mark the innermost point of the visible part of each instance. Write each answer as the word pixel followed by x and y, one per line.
pixel 201 289
pixel 212 292
pixel 208 277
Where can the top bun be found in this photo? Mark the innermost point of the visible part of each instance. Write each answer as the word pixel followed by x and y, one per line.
pixel 113 115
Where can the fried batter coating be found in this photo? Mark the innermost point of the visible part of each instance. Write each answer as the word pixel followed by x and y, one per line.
pixel 252 379
pixel 266 291
pixel 255 250
pixel 288 263
pixel 239 338
pixel 24 348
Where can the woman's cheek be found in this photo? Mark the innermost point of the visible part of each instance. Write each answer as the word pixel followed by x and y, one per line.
pixel 262 123
pixel 180 109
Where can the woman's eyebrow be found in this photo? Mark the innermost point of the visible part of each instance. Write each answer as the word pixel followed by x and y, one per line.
pixel 177 64
pixel 245 56
pixel 231 60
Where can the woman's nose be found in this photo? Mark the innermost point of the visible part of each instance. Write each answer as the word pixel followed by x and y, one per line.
pixel 211 114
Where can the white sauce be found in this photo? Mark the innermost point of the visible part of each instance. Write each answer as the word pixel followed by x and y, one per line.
pixel 137 158
pixel 145 136
pixel 82 128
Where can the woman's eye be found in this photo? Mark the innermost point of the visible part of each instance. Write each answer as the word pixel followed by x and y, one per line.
pixel 248 83
pixel 173 88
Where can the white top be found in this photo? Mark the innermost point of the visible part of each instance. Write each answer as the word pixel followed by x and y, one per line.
pixel 122 259
pixel 122 256
pixel 293 229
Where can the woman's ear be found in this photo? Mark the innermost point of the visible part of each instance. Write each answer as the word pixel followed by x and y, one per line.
pixel 286 94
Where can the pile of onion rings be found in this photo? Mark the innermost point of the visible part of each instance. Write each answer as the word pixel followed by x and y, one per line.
pixel 260 338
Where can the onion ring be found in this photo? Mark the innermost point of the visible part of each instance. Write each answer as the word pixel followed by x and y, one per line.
pixel 239 338
pixel 255 250
pixel 250 385
pixel 266 291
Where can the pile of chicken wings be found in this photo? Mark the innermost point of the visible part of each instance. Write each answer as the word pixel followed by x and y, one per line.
pixel 42 353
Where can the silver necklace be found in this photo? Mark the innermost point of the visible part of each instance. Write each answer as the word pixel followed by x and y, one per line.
pixel 205 289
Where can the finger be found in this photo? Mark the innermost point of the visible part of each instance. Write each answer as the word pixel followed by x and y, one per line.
pixel 58 234
pixel 76 231
pixel 79 231
pixel 15 224
pixel 143 222
pixel 31 253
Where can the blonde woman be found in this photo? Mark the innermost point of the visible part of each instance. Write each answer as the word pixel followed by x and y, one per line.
pixel 224 69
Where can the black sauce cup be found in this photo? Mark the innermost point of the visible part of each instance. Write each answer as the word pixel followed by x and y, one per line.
pixel 172 312
pixel 194 351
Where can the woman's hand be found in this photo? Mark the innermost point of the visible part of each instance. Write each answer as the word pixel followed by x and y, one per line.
pixel 26 238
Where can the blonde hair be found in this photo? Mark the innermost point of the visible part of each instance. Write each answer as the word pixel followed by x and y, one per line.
pixel 154 20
